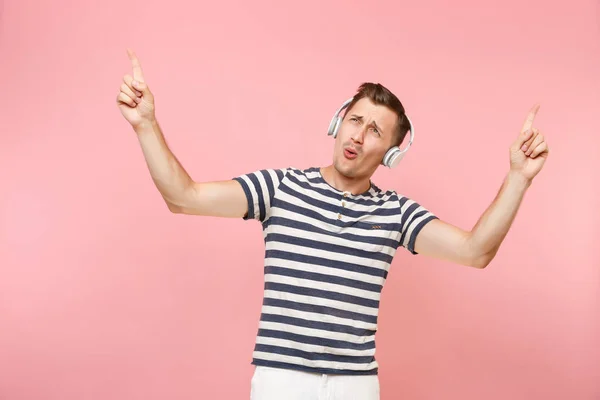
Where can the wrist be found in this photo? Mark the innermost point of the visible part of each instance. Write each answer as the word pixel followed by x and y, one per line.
pixel 145 125
pixel 518 180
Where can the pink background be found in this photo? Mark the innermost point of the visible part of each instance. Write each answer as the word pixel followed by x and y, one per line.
pixel 105 295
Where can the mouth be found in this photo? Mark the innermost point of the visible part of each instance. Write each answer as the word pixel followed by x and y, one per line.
pixel 350 153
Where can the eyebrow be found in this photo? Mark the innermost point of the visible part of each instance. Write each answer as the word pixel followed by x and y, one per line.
pixel 374 123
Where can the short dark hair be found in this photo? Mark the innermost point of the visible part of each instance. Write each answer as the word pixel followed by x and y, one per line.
pixel 380 95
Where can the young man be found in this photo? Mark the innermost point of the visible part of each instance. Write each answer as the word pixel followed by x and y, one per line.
pixel 330 237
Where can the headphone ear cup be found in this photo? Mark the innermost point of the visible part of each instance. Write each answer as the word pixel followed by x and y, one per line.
pixel 332 125
pixel 336 127
pixel 392 157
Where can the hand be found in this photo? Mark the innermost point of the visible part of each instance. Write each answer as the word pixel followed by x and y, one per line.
pixel 529 152
pixel 135 101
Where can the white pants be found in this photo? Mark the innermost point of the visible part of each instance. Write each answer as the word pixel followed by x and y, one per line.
pixel 281 384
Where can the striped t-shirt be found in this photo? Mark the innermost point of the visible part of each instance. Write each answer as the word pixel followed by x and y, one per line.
pixel 327 256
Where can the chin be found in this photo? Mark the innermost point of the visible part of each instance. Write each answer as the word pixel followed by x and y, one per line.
pixel 349 171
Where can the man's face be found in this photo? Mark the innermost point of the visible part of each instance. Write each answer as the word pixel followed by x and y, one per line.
pixel 365 135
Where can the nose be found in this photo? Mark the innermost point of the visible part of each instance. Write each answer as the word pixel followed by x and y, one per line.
pixel 359 135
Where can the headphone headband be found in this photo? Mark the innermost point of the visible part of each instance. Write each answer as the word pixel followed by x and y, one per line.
pixel 393 155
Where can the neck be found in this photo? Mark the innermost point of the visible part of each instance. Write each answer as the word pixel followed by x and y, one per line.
pixel 343 183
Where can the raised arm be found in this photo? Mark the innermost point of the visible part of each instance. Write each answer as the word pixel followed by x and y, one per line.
pixel 479 246
pixel 180 192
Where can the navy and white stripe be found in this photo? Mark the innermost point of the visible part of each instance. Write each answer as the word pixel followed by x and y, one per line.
pixel 327 256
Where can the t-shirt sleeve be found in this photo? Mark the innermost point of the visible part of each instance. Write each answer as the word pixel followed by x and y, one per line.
pixel 260 188
pixel 413 217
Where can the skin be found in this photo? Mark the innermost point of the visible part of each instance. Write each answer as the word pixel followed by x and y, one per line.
pixel 368 130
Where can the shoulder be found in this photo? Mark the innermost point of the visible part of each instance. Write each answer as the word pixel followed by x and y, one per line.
pixel 403 206
pixel 305 176
pixel 271 174
pixel 394 196
pixel 388 197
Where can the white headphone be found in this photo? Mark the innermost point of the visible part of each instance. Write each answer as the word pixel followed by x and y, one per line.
pixel 393 155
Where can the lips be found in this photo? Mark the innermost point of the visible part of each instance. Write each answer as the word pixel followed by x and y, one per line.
pixel 350 153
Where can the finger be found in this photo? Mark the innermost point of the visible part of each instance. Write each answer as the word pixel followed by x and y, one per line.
pixel 127 90
pixel 128 79
pixel 539 149
pixel 530 117
pixel 124 99
pixel 523 138
pixel 533 136
pixel 538 139
pixel 135 64
pixel 140 87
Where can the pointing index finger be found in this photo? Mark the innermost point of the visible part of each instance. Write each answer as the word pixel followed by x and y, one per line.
pixel 529 121
pixel 137 68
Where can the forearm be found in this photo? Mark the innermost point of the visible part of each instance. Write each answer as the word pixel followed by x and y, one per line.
pixel 492 227
pixel 169 176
